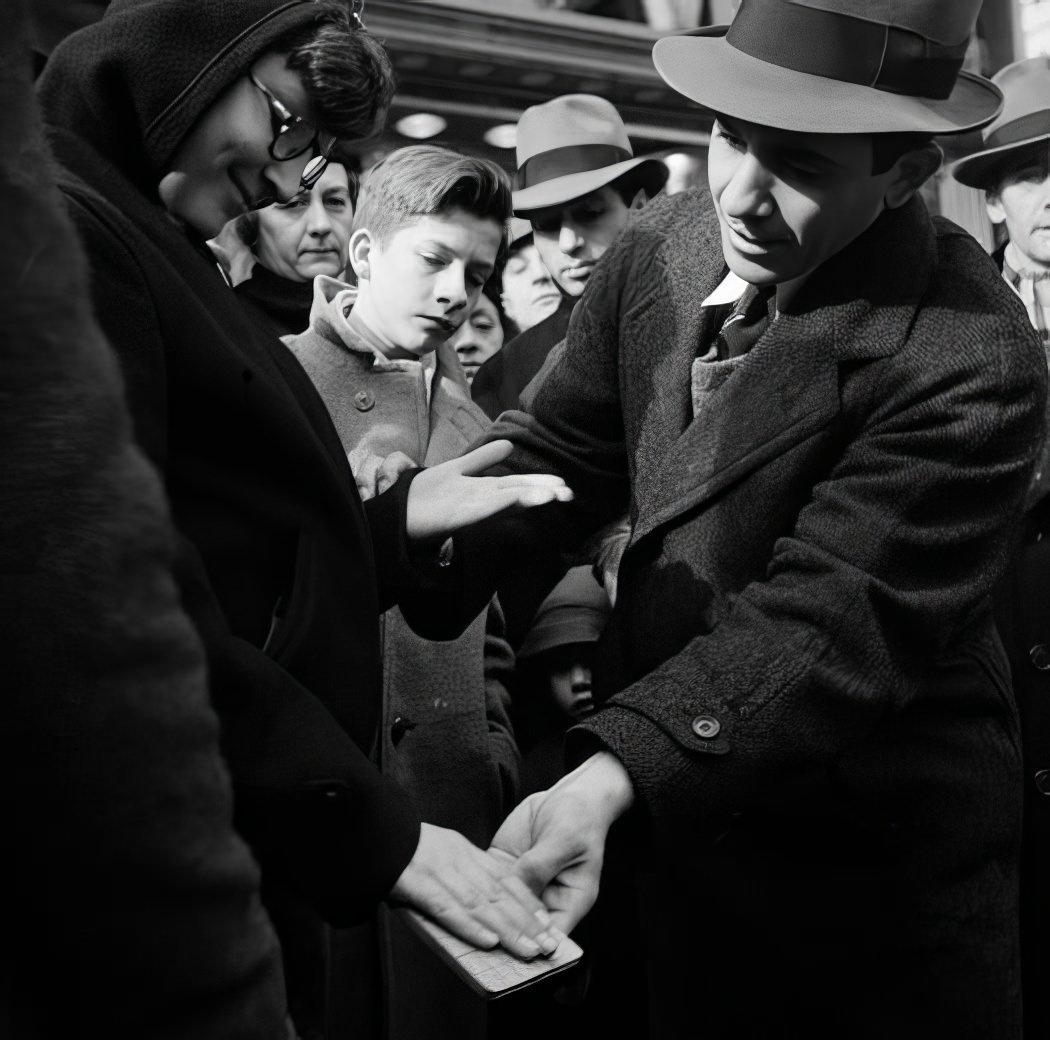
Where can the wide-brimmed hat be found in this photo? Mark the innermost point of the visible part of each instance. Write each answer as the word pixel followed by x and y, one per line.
pixel 836 66
pixel 572 145
pixel 1024 120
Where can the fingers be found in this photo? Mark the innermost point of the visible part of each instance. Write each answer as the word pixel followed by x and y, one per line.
pixel 481 459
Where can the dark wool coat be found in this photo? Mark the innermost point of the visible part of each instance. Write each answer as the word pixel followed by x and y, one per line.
pixel 131 909
pixel 1023 615
pixel 801 672
pixel 500 380
pixel 277 560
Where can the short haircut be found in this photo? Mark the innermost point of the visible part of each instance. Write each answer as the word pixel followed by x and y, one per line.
pixel 345 72
pixel 423 180
pixel 886 149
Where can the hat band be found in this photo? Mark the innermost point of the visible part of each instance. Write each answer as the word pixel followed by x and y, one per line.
pixel 852 50
pixel 572 158
pixel 1035 124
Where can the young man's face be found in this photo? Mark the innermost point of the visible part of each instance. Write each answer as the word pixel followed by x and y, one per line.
pixel 1022 200
pixel 571 238
pixel 223 168
pixel 479 337
pixel 417 287
pixel 309 235
pixel 529 292
pixel 786 201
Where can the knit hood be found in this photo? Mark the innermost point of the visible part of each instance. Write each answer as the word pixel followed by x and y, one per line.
pixel 134 83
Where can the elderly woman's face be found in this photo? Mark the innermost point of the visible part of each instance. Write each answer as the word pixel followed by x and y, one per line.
pixel 309 235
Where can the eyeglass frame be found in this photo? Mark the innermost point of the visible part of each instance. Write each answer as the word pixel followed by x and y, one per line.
pixel 288 121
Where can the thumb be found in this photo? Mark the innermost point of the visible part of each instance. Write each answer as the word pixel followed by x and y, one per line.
pixel 483 458
pixel 541 864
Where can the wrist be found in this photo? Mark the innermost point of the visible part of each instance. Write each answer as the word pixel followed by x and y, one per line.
pixel 603 782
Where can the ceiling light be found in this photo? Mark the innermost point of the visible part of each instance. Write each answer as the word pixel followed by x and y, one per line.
pixel 420 125
pixel 503 136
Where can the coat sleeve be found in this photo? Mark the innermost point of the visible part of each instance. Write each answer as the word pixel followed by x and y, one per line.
pixel 315 809
pixel 127 886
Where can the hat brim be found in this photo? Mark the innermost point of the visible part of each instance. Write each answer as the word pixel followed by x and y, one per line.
pixel 560 190
pixel 707 69
pixel 976 170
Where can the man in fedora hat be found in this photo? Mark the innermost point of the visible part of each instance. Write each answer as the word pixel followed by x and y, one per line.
pixel 822 409
pixel 1013 170
pixel 578 182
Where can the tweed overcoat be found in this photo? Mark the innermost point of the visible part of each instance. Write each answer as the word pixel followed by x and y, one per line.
pixel 801 673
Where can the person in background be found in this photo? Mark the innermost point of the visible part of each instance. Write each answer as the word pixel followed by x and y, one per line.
pixel 1013 170
pixel 481 336
pixel 824 409
pixel 530 294
pixel 578 182
pixel 428 235
pixel 554 687
pixel 167 119
pixel 292 242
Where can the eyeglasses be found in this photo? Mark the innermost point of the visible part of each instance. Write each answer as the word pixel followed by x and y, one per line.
pixel 293 135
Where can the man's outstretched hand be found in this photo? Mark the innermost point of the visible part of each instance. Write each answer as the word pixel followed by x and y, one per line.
pixel 474 895
pixel 558 836
pixel 444 498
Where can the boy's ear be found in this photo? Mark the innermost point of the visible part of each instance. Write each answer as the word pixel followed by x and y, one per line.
pixel 360 252
pixel 910 171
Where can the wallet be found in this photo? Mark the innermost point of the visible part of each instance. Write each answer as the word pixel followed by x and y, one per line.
pixel 490 973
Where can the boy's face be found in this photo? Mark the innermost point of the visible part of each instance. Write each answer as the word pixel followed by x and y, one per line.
pixel 309 235
pixel 223 168
pixel 569 675
pixel 788 201
pixel 1022 200
pixel 417 287
pixel 571 238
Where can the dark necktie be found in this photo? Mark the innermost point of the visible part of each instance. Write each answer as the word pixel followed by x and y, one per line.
pixel 747 321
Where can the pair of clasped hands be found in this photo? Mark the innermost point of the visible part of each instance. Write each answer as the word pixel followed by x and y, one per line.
pixel 540 876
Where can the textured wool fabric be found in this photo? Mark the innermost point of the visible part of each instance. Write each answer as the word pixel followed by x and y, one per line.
pixel 810 568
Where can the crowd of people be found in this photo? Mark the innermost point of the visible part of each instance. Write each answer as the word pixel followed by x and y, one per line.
pixel 546 555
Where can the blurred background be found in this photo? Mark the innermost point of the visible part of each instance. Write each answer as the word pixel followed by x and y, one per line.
pixel 468 68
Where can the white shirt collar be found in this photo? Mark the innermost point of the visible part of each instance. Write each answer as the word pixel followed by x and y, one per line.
pixel 729 291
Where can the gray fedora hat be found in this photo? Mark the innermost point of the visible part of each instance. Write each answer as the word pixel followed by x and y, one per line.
pixel 572 145
pixel 1024 120
pixel 836 66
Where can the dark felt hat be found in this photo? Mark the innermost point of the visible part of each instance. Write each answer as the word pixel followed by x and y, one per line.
pixel 836 66
pixel 575 612
pixel 572 145
pixel 1024 121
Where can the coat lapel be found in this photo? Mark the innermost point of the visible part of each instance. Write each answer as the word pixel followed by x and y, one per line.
pixel 786 388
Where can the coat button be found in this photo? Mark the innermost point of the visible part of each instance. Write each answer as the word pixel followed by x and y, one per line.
pixel 1039 655
pixel 1042 781
pixel 706 726
pixel 399 727
pixel 364 401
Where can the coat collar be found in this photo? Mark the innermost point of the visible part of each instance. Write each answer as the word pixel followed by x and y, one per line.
pixel 856 307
